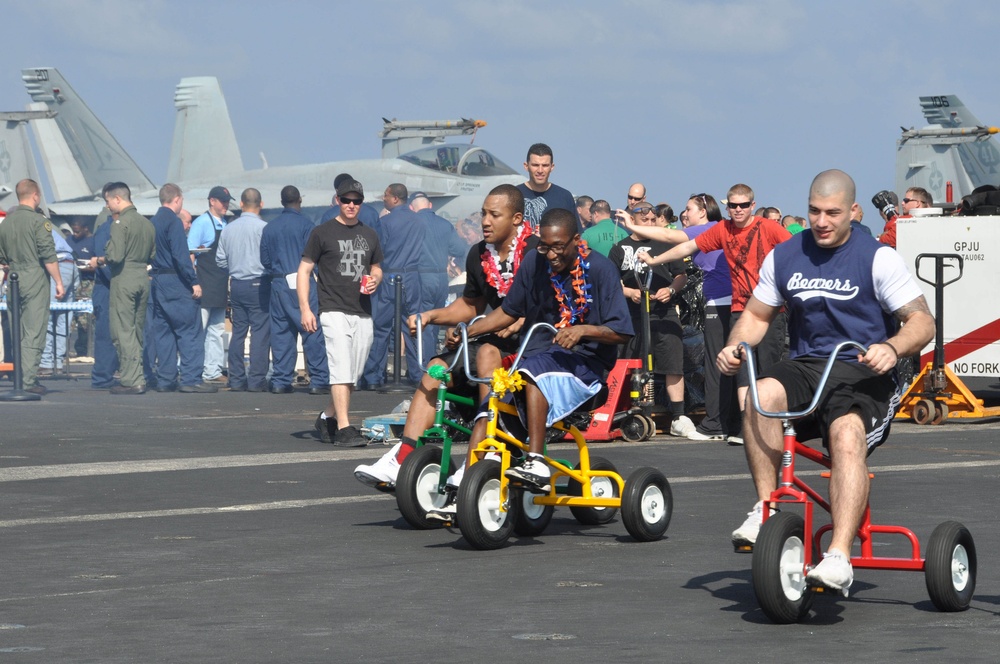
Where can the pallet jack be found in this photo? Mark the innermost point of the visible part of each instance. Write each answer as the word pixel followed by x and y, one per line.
pixel 936 393
pixel 629 409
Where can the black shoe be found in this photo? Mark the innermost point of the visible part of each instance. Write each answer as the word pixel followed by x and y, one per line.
pixel 38 389
pixel 315 391
pixel 285 389
pixel 349 437
pixel 198 388
pixel 237 388
pixel 122 390
pixel 172 387
pixel 325 428
pixel 257 388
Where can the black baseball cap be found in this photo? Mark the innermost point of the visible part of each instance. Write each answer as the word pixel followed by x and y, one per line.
pixel 350 187
pixel 221 194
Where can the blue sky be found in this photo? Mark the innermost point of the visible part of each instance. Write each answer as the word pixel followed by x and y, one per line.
pixel 683 96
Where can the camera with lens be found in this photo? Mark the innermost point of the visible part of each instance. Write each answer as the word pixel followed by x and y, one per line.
pixel 884 202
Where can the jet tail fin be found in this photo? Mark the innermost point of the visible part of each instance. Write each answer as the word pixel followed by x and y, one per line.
pixel 16 160
pixel 204 144
pixel 99 157
pixel 979 158
pixel 948 111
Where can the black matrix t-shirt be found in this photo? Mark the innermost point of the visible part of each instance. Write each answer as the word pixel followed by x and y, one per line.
pixel 342 254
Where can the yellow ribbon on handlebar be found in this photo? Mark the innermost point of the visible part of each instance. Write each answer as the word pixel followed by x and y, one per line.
pixel 504 381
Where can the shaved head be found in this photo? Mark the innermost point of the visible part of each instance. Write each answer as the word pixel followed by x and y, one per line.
pixel 250 199
pixel 637 192
pixel 833 182
pixel 25 189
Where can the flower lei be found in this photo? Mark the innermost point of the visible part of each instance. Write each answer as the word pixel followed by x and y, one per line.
pixel 491 261
pixel 579 304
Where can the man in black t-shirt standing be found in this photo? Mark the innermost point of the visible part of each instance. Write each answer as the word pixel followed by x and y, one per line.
pixel 346 256
pixel 540 194
pixel 666 334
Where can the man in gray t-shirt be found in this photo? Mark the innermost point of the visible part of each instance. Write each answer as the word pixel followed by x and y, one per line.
pixel 346 256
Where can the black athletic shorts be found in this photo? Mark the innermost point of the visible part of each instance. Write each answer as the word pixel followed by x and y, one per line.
pixel 667 348
pixel 851 386
pixel 769 351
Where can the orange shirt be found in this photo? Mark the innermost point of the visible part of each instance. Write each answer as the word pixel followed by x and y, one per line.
pixel 888 235
pixel 745 249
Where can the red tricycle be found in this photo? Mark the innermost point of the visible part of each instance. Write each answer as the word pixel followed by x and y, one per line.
pixel 787 546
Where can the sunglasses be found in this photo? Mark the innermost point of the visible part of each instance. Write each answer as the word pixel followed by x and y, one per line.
pixel 640 210
pixel 910 200
pixel 634 198
pixel 544 249
pixel 742 206
pixel 351 201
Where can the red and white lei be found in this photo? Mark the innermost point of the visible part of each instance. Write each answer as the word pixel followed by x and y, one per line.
pixel 491 261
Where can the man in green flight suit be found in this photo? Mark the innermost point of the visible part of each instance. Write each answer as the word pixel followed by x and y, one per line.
pixel 131 247
pixel 27 248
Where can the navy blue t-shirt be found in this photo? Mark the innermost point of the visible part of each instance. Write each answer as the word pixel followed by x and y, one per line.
pixel 834 295
pixel 535 204
pixel 533 297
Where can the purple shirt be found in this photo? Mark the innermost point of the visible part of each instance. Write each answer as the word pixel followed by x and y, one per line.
pixel 717 285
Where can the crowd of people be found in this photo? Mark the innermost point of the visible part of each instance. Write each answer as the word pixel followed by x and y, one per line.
pixel 789 286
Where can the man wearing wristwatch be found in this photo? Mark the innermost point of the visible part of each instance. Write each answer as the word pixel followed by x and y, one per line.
pixel 666 340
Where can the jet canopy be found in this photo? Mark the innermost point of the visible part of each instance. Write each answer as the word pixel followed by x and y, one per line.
pixel 468 160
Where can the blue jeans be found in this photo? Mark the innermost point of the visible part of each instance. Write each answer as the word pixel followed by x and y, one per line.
pixel 58 326
pixel 213 320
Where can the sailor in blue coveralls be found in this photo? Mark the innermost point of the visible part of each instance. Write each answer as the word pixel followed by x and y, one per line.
pixel 174 294
pixel 443 243
pixel 281 248
pixel 402 240
pixel 102 376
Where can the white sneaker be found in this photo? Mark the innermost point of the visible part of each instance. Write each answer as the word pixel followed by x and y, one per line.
pixel 746 534
pixel 697 435
pixel 445 514
pixel 455 481
pixel 834 572
pixel 682 427
pixel 382 474
pixel 735 440
pixel 534 472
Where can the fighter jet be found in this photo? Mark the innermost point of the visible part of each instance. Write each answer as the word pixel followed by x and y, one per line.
pixel 81 155
pixel 956 148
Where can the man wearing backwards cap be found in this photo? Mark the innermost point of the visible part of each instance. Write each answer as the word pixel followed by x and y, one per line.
pixel 341 251
pixel 214 280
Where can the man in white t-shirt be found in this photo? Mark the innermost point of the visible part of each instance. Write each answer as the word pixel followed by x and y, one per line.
pixel 837 285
